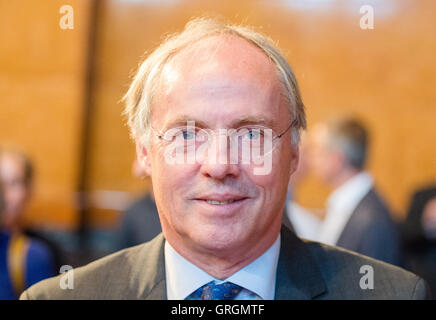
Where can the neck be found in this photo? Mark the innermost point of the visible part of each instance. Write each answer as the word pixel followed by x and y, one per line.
pixel 222 263
pixel 343 176
pixel 11 227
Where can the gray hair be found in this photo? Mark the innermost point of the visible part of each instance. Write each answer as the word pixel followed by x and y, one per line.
pixel 143 88
pixel 350 137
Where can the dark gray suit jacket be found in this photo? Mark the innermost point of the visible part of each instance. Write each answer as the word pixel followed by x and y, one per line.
pixel 371 231
pixel 306 270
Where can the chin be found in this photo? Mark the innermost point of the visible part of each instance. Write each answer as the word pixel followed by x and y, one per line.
pixel 218 239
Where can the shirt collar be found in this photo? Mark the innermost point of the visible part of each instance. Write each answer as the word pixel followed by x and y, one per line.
pixel 259 276
pixel 351 192
pixel 341 205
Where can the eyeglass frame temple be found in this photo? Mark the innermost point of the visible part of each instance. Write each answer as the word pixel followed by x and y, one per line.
pixel 160 136
pixel 281 134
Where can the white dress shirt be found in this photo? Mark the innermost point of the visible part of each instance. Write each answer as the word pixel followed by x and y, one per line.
pixel 259 277
pixel 306 224
pixel 341 205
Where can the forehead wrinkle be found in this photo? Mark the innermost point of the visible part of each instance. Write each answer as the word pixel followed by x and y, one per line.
pixel 223 87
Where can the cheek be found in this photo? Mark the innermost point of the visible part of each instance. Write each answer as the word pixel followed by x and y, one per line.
pixel 15 195
pixel 170 180
pixel 280 172
pixel 429 215
pixel 262 181
pixel 332 163
pixel 319 161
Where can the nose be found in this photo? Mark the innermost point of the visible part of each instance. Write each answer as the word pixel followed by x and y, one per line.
pixel 216 163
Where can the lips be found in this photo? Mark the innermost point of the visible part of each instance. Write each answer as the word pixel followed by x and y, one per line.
pixel 221 200
pixel 216 202
pixel 224 198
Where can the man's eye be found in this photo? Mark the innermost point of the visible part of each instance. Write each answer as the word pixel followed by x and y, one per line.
pixel 253 134
pixel 187 134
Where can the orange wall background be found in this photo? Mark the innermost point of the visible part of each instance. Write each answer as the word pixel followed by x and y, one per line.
pixel 42 72
pixel 386 76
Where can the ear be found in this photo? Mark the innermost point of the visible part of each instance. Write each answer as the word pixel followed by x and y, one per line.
pixel 142 155
pixel 339 161
pixel 295 159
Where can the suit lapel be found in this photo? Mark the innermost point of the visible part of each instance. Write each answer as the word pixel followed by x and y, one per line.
pixel 347 238
pixel 298 276
pixel 150 271
pixel 158 292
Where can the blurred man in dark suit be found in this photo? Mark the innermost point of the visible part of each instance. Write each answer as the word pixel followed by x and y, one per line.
pixel 300 220
pixel 356 218
pixel 140 222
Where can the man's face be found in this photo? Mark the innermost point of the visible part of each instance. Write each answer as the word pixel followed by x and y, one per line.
pixel 16 191
pixel 216 83
pixel 428 220
pixel 324 161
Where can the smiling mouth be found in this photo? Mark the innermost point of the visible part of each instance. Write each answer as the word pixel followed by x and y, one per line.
pixel 216 202
pixel 222 202
pixel 214 208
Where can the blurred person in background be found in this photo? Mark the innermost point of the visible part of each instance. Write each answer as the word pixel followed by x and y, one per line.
pixel 419 235
pixel 297 218
pixel 24 260
pixel 140 222
pixel 357 218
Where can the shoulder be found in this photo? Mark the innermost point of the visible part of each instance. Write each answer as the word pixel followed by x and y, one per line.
pixel 349 275
pixel 373 200
pixel 143 205
pixel 40 263
pixel 116 276
pixel 372 210
pixel 38 250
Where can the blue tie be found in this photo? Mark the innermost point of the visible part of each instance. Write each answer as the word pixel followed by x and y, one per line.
pixel 212 291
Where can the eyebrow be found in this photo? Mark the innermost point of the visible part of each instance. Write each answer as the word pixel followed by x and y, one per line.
pixel 182 120
pixel 252 120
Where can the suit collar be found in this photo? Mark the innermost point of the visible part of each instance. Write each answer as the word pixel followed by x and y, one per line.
pixel 151 270
pixel 298 276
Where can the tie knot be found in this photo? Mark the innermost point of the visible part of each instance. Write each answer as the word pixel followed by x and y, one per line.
pixel 222 291
pixel 212 291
